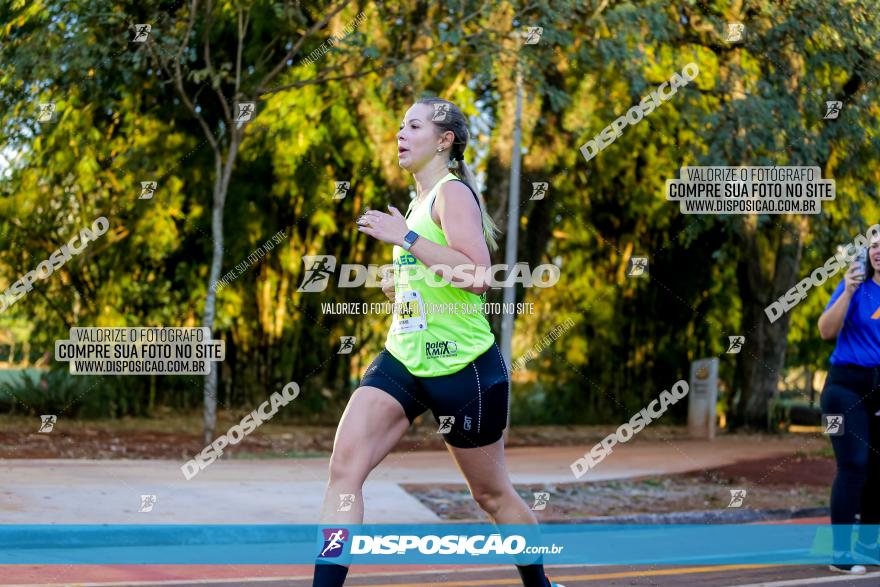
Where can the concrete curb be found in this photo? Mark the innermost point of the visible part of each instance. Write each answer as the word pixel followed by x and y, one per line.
pixel 733 516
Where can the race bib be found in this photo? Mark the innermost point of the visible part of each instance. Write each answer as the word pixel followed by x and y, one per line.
pixel 409 315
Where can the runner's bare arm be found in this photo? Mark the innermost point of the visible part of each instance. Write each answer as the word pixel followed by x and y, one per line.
pixel 463 227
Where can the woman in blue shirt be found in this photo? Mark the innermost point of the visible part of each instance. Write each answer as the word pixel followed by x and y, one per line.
pixel 852 390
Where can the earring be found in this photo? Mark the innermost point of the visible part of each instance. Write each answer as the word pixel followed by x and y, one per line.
pixel 439 150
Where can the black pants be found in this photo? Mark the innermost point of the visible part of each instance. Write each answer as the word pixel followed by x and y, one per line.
pixel 854 393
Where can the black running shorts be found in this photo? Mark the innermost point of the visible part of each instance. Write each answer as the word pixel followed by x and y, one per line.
pixel 469 406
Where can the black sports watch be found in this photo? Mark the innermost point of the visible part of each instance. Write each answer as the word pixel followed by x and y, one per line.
pixel 410 239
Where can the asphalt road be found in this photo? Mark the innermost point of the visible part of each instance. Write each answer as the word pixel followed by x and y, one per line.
pixel 448 576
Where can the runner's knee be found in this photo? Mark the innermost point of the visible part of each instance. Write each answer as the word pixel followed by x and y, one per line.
pixel 489 499
pixel 348 465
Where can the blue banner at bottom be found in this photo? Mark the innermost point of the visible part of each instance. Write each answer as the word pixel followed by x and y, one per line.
pixel 425 543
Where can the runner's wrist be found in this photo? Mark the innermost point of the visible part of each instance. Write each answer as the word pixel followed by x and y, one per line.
pixel 409 239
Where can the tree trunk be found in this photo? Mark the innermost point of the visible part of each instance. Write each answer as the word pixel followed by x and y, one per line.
pixel 151 407
pixel 221 187
pixel 761 362
pixel 810 390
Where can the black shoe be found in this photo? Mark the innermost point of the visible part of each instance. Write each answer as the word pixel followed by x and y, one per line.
pixel 845 563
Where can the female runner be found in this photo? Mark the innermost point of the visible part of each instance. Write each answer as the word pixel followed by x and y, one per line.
pixel 442 361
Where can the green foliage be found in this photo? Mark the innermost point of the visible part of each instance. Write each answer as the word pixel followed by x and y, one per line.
pixel 119 122
pixel 60 393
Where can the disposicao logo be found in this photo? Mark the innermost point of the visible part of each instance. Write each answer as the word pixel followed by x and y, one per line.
pixel 334 542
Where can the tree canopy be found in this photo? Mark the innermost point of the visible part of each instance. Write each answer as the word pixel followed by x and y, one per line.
pixel 329 98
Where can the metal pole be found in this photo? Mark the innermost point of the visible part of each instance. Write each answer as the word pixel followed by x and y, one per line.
pixel 512 233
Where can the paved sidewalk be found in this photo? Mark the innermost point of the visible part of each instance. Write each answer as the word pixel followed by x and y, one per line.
pixel 290 491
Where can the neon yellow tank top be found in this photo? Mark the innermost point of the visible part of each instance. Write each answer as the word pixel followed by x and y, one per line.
pixel 441 329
